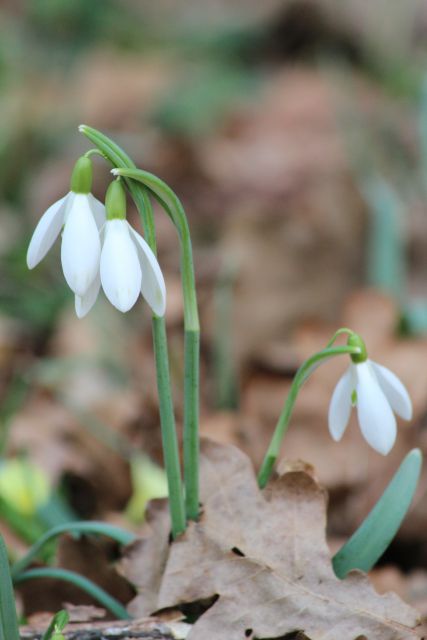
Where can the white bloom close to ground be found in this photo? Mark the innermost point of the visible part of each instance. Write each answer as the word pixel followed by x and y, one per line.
pixel 377 393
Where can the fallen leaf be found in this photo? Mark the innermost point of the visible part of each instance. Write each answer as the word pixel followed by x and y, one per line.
pixel 84 612
pixel 266 557
pixel 150 629
pixel 88 556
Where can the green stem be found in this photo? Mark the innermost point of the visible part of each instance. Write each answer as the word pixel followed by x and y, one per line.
pixel 118 158
pixel 167 419
pixel 340 332
pixel 303 373
pixel 191 423
pixel 83 583
pixel 173 207
pixel 120 535
pixel 8 621
pixel 95 152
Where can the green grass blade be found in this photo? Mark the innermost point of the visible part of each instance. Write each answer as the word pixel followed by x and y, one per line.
pixel 8 620
pixel 58 623
pixel 104 598
pixel 119 535
pixel 378 529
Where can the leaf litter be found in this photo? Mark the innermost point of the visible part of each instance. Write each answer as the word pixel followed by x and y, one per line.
pixel 264 554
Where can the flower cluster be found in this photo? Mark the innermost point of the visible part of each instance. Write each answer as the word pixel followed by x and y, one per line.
pixel 99 247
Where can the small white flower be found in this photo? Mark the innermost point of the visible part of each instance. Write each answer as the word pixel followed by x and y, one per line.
pixel 377 393
pixel 81 216
pixel 129 267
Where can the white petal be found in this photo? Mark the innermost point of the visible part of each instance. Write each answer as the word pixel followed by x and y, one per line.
pixel 152 283
pixel 120 270
pixel 81 246
pixel 98 210
pixel 376 418
pixel 340 405
pixel 394 391
pixel 46 232
pixel 83 304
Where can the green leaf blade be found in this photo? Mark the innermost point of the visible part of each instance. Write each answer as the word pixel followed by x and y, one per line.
pixel 374 535
pixel 58 624
pixel 104 598
pixel 83 527
pixel 8 620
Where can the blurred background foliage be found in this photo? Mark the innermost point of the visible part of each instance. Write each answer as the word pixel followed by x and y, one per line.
pixel 295 132
pixel 197 62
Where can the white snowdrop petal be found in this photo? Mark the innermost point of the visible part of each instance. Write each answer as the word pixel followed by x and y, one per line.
pixel 46 232
pixel 376 418
pixel 83 304
pixel 394 391
pixel 81 246
pixel 98 210
pixel 120 269
pixel 152 282
pixel 340 406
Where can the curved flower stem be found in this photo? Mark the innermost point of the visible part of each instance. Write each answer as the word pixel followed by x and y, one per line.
pixel 119 158
pixel 95 152
pixel 83 583
pixel 340 332
pixel 167 417
pixel 119 535
pixel 303 373
pixel 173 207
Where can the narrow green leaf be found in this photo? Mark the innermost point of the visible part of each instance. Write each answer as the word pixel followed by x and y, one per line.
pixel 83 583
pixel 120 535
pixel 386 251
pixel 378 529
pixel 8 619
pixel 58 623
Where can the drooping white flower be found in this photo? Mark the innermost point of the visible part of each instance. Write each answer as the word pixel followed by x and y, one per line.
pixel 377 393
pixel 128 266
pixel 81 216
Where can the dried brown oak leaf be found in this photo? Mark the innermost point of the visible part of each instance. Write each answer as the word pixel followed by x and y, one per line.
pixel 265 556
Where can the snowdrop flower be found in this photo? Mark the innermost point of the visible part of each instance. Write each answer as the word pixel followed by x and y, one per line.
pixel 128 266
pixel 81 215
pixel 376 392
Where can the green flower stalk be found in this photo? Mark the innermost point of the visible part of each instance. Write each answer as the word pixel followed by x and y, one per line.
pixel 173 207
pixel 375 390
pixel 302 375
pixel 118 158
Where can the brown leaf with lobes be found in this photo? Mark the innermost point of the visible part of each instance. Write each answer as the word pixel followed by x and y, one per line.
pixel 265 555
